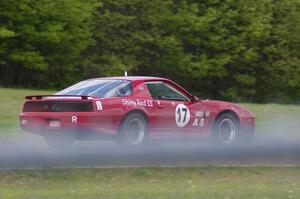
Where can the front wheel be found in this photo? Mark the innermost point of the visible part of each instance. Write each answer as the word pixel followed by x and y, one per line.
pixel 133 131
pixel 226 130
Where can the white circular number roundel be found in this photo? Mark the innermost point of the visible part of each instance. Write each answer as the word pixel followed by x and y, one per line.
pixel 182 115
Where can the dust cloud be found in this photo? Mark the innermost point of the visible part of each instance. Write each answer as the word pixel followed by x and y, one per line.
pixel 277 142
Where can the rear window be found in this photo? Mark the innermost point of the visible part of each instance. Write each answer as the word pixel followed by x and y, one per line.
pixel 100 88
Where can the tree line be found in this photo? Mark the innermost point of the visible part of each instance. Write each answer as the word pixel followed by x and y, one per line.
pixel 223 49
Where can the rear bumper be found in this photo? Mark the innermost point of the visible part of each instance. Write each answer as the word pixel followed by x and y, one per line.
pixel 40 122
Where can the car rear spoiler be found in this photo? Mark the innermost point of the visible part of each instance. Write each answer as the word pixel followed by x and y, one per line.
pixel 38 97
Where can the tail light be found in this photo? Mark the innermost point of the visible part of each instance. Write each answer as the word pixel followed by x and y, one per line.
pixel 58 106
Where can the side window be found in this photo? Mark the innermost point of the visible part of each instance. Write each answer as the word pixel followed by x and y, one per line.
pixel 163 91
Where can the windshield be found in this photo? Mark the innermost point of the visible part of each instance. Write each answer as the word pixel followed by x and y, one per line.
pixel 100 88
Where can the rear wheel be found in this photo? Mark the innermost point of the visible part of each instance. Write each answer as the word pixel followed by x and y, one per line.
pixel 59 140
pixel 133 131
pixel 226 130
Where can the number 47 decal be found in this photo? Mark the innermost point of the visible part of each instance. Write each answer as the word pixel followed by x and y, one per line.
pixel 182 115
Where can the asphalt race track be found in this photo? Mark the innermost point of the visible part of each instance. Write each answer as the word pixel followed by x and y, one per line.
pixel 34 153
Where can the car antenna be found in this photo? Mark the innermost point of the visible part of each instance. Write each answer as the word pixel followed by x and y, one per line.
pixel 125 74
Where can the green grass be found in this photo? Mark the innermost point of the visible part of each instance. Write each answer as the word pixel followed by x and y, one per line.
pixel 150 183
pixel 274 112
pixel 276 120
pixel 11 103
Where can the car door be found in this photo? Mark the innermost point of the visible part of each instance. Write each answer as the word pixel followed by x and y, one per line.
pixel 175 111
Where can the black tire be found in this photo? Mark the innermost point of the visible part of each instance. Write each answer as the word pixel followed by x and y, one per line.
pixel 133 131
pixel 59 140
pixel 226 130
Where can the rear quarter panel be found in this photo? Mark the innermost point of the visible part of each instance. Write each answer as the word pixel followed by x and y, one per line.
pixel 115 109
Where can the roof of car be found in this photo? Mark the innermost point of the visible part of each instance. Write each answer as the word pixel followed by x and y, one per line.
pixel 133 78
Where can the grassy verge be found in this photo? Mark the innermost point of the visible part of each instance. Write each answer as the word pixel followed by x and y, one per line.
pixel 276 120
pixel 11 102
pixel 274 112
pixel 149 183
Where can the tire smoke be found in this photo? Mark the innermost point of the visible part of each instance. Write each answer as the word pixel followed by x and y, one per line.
pixel 277 142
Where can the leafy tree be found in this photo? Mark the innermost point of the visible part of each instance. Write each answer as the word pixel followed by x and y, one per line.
pixel 39 40
pixel 235 50
pixel 125 34
pixel 281 55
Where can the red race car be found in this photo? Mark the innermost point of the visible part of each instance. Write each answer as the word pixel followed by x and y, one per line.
pixel 133 110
